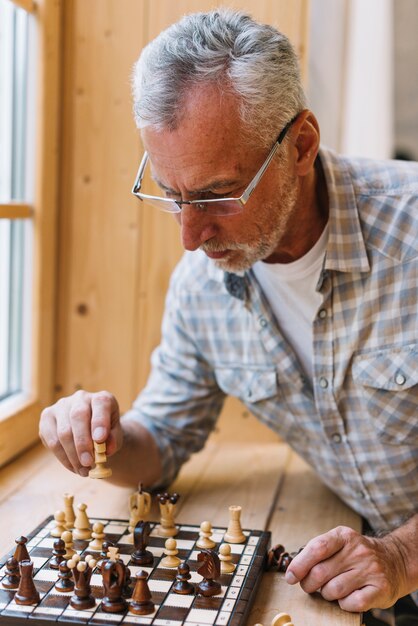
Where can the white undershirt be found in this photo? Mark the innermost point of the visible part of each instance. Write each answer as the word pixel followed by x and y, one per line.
pixel 290 290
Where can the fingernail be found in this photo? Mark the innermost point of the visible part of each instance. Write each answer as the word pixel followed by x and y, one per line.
pixel 99 433
pixel 290 578
pixel 86 459
pixel 83 472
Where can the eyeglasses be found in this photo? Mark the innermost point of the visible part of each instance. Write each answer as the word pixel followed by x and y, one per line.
pixel 211 206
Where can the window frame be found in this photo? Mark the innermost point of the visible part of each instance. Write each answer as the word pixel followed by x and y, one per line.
pixel 19 414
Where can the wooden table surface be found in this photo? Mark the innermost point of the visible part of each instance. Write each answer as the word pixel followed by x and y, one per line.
pixel 276 489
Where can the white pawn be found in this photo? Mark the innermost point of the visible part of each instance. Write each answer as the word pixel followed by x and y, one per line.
pixel 282 619
pixel 205 542
pixel 227 567
pixel 67 538
pixel 82 524
pixel 60 526
pixel 170 550
pixel 98 537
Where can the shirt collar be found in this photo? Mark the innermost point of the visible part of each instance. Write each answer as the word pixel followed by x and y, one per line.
pixel 346 249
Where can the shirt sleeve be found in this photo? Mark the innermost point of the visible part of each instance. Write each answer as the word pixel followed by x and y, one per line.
pixel 181 400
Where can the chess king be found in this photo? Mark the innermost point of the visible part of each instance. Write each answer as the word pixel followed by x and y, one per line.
pixel 113 573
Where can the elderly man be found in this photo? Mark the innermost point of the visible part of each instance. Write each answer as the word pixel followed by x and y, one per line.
pixel 297 293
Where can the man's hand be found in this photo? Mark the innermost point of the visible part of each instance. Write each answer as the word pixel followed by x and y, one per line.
pixel 360 572
pixel 69 427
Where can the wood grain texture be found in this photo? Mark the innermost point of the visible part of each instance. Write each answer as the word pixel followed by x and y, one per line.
pixel 275 488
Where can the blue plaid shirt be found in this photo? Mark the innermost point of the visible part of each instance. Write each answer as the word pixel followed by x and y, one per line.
pixel 356 422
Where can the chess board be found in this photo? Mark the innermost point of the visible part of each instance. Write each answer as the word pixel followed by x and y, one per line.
pixel 230 608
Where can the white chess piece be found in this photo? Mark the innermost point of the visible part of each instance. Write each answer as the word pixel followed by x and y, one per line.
pixel 205 542
pixel 60 526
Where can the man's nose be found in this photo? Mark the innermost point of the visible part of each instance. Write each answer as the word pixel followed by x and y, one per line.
pixel 196 227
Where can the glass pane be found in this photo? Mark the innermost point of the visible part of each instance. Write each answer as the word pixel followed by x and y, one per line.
pixel 13 100
pixel 15 235
pixel 13 290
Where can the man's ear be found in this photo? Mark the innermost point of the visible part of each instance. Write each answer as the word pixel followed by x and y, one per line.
pixel 305 139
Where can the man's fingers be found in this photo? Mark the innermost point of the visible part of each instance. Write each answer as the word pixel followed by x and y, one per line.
pixel 68 428
pixel 363 599
pixel 341 586
pixel 317 550
pixel 105 414
pixel 79 447
pixel 49 437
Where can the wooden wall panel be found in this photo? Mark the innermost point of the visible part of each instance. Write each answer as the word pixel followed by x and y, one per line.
pixel 99 217
pixel 115 260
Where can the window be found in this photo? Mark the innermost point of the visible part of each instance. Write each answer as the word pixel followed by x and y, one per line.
pixel 16 161
pixel 29 98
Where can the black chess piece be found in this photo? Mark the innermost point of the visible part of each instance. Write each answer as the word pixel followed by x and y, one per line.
pixel 126 589
pixel 182 577
pixel 141 603
pixel 103 554
pixel 12 578
pixel 113 573
pixel 27 592
pixel 65 578
pixel 58 554
pixel 279 558
pixel 142 556
pixel 82 598
pixel 21 552
pixel 210 570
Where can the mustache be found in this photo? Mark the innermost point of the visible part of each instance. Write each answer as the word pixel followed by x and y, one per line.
pixel 215 246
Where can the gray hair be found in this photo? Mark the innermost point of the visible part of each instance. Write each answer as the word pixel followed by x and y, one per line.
pixel 226 48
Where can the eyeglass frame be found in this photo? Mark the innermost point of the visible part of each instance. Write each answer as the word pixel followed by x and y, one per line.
pixel 242 200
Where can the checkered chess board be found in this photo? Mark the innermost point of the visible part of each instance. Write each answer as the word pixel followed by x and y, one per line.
pixel 230 608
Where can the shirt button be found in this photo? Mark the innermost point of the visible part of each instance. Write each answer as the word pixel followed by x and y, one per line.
pixel 263 322
pixel 322 314
pixel 400 379
pixel 361 494
pixel 323 382
pixel 336 437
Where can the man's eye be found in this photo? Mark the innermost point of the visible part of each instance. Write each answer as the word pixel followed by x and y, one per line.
pixel 172 195
pixel 216 196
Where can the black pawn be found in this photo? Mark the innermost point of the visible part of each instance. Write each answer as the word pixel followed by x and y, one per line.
pixel 12 579
pixel 58 554
pixel 65 578
pixel 21 552
pixel 141 603
pixel 182 577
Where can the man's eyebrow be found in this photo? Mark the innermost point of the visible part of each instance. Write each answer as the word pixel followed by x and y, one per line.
pixel 210 186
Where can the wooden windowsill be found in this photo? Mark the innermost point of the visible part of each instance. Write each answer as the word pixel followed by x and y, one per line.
pixel 19 419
